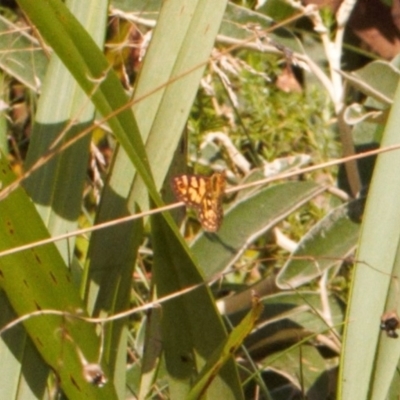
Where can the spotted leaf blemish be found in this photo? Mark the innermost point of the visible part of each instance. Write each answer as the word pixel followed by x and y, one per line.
pixel 53 278
pixel 74 382
pixel 10 227
pixel 36 256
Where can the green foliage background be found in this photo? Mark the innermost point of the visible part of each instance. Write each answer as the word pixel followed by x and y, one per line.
pixel 285 300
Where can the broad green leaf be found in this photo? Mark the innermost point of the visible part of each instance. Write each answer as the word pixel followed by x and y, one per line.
pixel 87 64
pixel 174 51
pixel 57 187
pixel 239 24
pixel 290 320
pixel 278 9
pixel 174 63
pixel 22 55
pixel 303 372
pixel 325 245
pixel 377 80
pixel 286 314
pixel 369 358
pixel 37 279
pixel 18 354
pixel 226 350
pixel 191 328
pixel 246 220
pixel 148 9
pixel 115 296
pixel 183 49
pixel 151 354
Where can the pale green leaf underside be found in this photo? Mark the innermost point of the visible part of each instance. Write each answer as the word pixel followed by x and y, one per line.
pixel 246 220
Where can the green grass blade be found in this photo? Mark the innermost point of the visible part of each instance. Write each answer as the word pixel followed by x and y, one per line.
pixel 369 358
pixel 4 100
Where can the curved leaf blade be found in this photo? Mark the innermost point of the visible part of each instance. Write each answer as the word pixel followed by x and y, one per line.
pixel 248 219
pixel 325 245
pixel 371 357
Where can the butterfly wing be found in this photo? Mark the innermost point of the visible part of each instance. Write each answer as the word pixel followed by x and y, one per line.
pixel 190 189
pixel 204 195
pixel 211 212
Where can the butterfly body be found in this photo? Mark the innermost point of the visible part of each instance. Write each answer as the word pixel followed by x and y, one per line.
pixel 204 194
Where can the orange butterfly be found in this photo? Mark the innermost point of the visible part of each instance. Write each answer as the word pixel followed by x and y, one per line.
pixel 204 194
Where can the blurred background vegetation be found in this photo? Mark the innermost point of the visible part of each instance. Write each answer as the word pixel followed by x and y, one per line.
pixel 102 104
